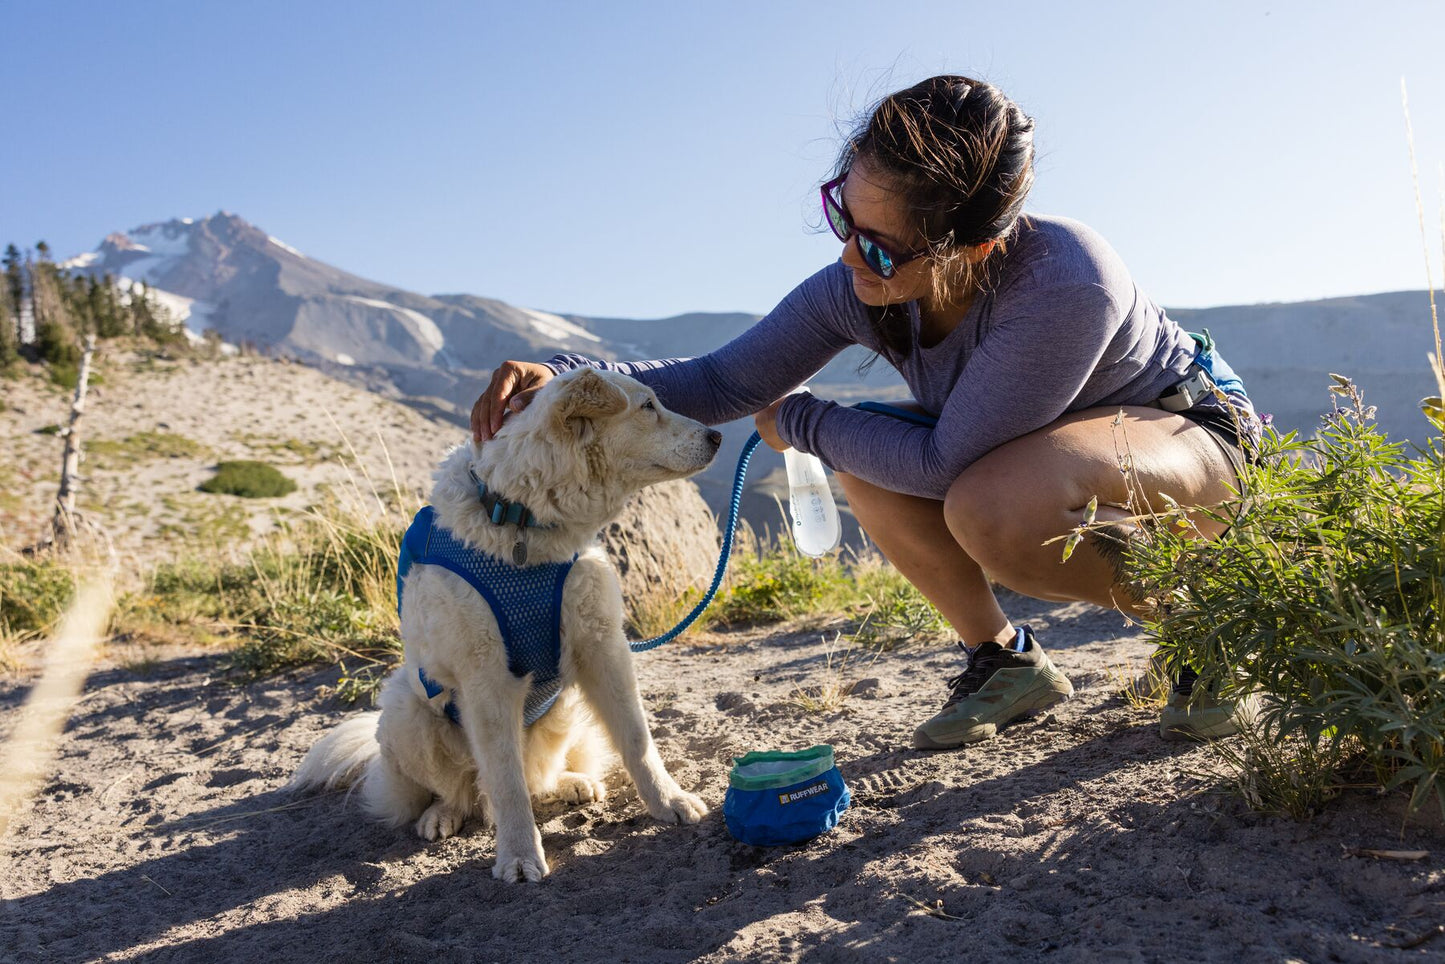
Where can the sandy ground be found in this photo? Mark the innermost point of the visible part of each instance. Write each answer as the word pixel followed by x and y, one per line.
pixel 162 834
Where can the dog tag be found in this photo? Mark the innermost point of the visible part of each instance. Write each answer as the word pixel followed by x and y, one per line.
pixel 519 552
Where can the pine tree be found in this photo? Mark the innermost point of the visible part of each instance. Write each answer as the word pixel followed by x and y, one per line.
pixel 9 330
pixel 73 297
pixel 14 277
pixel 98 306
pixel 156 322
pixel 55 337
pixel 114 313
pixel 141 320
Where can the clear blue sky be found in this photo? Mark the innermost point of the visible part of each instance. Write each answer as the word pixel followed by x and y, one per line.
pixel 644 159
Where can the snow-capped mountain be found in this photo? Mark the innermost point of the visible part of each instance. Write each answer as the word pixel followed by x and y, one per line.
pixel 224 273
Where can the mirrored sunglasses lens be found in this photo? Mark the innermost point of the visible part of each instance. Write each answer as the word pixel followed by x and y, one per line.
pixel 876 257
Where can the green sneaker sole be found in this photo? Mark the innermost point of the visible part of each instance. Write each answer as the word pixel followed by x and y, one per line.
pixel 1049 690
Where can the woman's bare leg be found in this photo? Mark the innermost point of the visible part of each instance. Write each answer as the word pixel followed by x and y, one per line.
pixel 1004 508
pixel 1002 511
pixel 912 535
pixel 1000 515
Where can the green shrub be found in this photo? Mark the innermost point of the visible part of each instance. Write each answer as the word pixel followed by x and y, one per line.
pixel 895 613
pixel 251 480
pixel 1325 595
pixel 55 343
pixel 65 374
pixel 33 595
pixel 779 584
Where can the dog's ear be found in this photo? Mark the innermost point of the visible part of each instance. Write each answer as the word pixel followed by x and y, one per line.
pixel 589 396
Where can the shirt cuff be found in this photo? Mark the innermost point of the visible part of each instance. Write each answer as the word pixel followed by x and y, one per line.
pixel 795 412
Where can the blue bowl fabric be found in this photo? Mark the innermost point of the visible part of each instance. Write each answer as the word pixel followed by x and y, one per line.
pixel 789 810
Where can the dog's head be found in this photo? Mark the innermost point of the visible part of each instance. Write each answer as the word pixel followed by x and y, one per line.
pixel 622 432
pixel 589 440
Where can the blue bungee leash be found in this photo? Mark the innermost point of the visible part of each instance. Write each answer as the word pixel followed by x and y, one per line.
pixel 877 408
pixel 643 645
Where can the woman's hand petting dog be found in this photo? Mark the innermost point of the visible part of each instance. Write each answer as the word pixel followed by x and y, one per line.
pixel 511 389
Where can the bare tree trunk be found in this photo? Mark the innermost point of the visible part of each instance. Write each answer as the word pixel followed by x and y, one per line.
pixel 63 524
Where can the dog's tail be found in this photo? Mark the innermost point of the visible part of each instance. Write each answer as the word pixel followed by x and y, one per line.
pixel 340 757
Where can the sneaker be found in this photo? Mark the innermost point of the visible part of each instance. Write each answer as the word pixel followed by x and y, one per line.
pixel 997 687
pixel 1196 713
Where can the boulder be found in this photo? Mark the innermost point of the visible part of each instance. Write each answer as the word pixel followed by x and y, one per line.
pixel 665 542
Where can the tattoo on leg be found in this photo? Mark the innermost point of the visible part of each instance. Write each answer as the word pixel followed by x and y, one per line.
pixel 1111 541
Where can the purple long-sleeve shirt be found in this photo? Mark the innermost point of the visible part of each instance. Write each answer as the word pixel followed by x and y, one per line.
pixel 1065 328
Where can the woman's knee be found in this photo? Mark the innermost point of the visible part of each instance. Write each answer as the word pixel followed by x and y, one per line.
pixel 981 517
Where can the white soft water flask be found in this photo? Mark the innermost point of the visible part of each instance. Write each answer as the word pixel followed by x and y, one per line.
pixel 816 527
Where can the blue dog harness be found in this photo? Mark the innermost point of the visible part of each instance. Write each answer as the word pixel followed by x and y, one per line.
pixel 527 601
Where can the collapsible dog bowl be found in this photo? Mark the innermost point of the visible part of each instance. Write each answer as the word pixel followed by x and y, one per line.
pixel 780 798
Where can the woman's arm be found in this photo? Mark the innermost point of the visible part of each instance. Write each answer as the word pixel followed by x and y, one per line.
pixel 1025 373
pixel 803 333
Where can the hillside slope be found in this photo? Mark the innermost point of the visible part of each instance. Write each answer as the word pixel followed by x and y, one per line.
pixel 154 429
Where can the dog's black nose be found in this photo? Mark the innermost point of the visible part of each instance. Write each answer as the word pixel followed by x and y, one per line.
pixel 714 438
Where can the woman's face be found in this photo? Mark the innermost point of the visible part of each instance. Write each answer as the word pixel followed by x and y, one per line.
pixel 876 210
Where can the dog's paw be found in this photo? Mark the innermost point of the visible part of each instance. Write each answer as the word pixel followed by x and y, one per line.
pixel 579 788
pixel 679 806
pixel 438 822
pixel 515 868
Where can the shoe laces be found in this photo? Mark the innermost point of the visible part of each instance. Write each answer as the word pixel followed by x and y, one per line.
pixel 981 666
pixel 1184 682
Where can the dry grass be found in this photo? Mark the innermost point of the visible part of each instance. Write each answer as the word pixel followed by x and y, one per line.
pixel 1143 684
pixel 840 675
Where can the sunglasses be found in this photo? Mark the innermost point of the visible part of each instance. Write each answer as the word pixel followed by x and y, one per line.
pixel 878 259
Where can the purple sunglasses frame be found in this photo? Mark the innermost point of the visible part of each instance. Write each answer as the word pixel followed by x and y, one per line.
pixel 856 236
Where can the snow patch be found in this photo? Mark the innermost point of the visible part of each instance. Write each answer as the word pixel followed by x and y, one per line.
pixel 344 359
pixel 195 314
pixel 556 327
pixel 81 260
pixel 169 240
pixel 284 246
pixel 161 245
pixel 426 329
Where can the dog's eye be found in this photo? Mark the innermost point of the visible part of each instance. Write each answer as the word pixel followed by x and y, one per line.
pixel 648 406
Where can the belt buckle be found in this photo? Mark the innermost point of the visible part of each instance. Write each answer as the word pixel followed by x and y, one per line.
pixel 1186 393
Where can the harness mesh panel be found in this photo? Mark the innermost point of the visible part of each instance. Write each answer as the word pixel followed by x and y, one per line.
pixel 526 600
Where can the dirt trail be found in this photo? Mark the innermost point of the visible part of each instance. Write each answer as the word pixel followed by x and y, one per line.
pixel 163 836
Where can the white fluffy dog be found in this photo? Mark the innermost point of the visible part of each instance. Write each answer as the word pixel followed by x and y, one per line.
pixel 587 442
